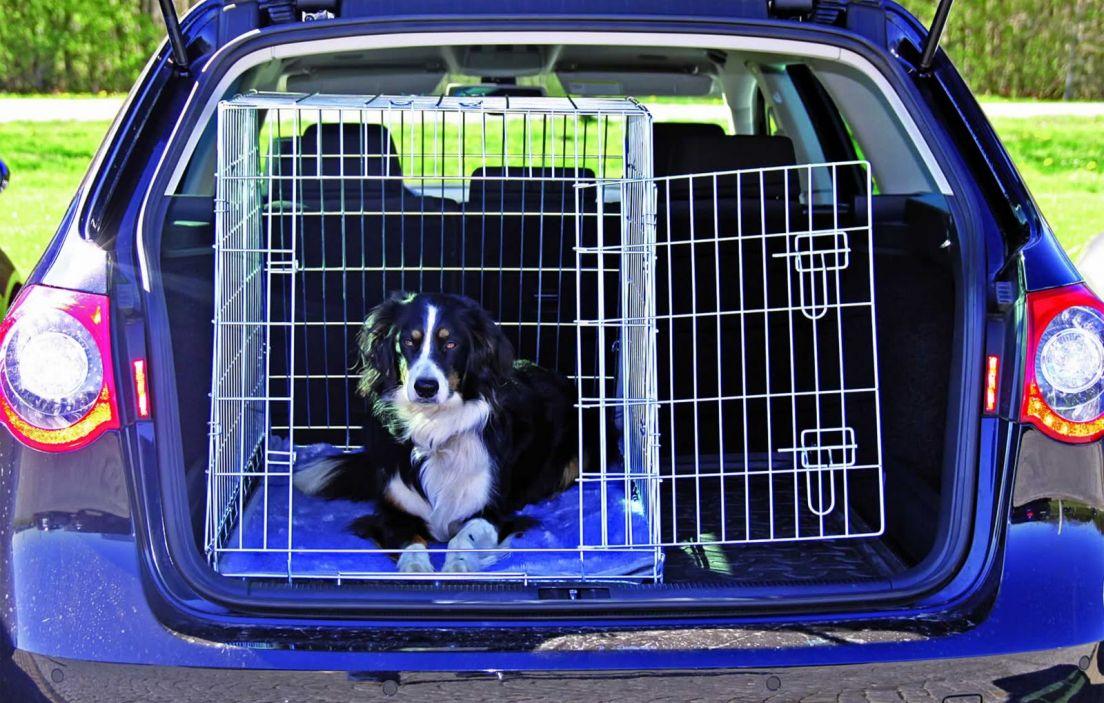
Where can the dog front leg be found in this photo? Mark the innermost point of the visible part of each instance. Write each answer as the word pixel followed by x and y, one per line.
pixel 396 530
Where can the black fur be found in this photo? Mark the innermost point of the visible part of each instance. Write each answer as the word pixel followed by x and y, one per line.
pixel 379 369
pixel 491 358
pixel 531 435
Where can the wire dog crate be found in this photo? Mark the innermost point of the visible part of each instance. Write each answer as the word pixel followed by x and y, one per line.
pixel 703 320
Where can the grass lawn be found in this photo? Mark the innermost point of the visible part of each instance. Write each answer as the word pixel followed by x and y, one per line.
pixel 1062 159
pixel 47 161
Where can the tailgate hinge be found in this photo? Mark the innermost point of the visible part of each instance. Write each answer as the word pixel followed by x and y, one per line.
pixel 864 17
pixel 285 11
pixel 830 12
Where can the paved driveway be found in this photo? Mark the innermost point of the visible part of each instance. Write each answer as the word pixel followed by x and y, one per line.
pixel 48 109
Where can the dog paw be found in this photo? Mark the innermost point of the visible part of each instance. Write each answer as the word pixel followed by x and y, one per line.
pixel 415 560
pixel 459 564
pixel 476 534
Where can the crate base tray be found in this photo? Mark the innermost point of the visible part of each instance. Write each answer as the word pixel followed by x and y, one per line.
pixel 322 547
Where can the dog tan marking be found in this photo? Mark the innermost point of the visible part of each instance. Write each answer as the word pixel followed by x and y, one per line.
pixel 443 333
pixel 454 381
pixel 571 472
pixel 416 335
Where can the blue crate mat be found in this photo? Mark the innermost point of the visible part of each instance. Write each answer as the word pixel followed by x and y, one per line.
pixel 322 524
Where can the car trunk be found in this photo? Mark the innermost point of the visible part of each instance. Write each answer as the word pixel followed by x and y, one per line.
pixel 787 436
pixel 914 289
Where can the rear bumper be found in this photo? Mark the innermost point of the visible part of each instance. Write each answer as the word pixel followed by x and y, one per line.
pixel 1072 673
pixel 77 585
pixel 81 597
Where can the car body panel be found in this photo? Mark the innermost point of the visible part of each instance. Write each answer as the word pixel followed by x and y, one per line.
pixel 10 282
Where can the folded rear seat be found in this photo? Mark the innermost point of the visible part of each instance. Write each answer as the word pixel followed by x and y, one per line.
pixel 747 203
pixel 360 234
pixel 708 154
pixel 714 258
pixel 525 218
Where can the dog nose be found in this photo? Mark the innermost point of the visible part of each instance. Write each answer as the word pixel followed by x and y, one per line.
pixel 425 387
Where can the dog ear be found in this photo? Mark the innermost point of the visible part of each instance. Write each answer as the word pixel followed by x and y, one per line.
pixel 491 358
pixel 377 342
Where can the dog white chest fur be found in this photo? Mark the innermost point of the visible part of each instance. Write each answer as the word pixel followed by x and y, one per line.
pixel 455 469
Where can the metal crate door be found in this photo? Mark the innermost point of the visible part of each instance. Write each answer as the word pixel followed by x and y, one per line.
pixel 767 356
pixel 240 397
pixel 617 326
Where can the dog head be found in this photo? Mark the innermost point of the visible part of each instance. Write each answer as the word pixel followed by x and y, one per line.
pixel 431 349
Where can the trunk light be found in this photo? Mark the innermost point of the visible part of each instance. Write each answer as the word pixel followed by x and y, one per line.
pixel 992 377
pixel 57 388
pixel 1064 369
pixel 141 388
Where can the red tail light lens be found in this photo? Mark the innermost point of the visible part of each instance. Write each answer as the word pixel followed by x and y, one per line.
pixel 141 388
pixel 992 381
pixel 1064 374
pixel 57 389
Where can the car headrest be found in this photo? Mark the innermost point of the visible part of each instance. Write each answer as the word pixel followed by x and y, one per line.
pixel 369 149
pixel 667 138
pixel 348 149
pixel 709 154
pixel 547 187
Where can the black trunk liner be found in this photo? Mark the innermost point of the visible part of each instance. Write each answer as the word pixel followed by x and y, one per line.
pixel 808 562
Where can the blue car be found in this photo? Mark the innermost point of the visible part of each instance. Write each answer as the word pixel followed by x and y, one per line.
pixel 840 392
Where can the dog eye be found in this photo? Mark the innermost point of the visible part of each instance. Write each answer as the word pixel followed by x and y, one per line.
pixel 450 345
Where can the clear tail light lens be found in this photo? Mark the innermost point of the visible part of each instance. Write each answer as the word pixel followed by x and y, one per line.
pixel 1064 375
pixel 57 389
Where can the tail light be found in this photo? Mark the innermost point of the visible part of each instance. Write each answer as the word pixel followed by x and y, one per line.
pixel 1064 374
pixel 992 382
pixel 57 389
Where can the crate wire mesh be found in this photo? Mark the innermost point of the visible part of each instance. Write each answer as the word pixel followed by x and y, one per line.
pixel 765 385
pixel 702 318
pixel 768 382
pixel 338 201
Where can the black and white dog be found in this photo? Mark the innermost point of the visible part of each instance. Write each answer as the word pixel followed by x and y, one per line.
pixel 460 434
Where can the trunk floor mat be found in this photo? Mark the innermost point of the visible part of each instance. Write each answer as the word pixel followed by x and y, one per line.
pixel 808 561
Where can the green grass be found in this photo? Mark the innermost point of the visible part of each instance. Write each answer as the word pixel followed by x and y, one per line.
pixel 1062 159
pixel 449 147
pixel 47 161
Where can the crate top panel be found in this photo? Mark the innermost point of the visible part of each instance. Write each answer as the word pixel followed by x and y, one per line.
pixel 548 105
